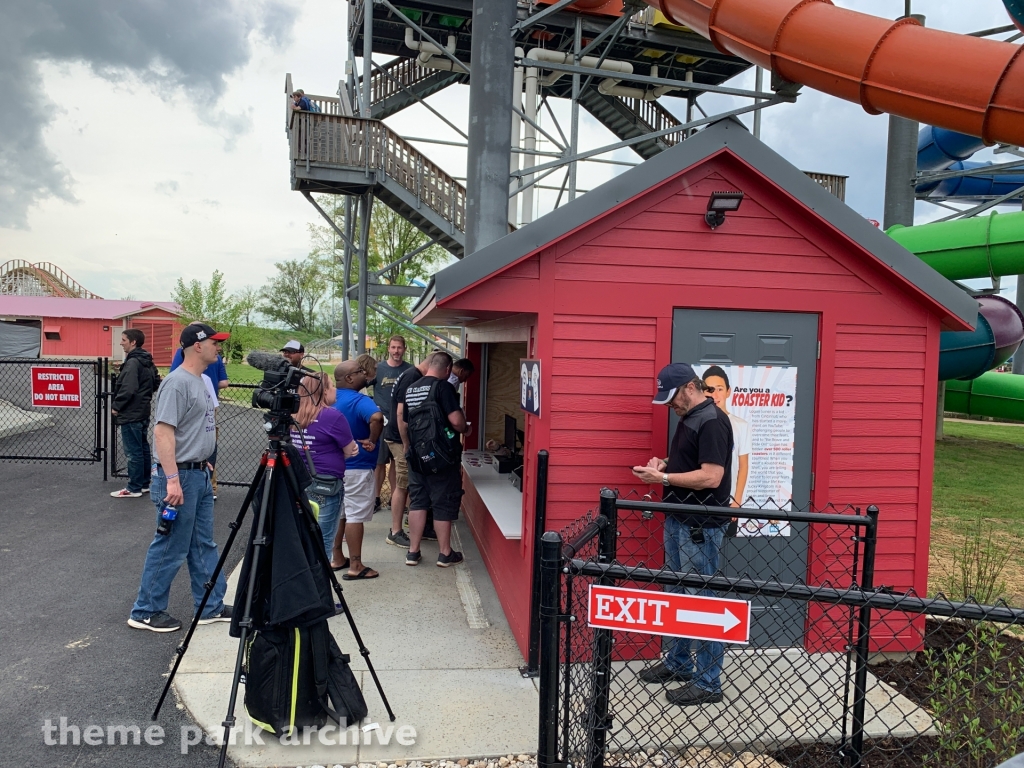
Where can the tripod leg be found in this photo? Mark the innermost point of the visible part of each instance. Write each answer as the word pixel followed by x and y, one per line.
pixel 234 526
pixel 293 484
pixel 245 623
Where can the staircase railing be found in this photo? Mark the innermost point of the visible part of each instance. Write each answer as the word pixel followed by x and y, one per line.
pixel 655 117
pixel 369 145
pixel 395 77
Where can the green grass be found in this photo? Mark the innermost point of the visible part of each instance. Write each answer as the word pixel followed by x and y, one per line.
pixel 979 469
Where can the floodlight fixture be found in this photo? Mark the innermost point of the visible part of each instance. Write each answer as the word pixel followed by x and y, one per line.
pixel 719 204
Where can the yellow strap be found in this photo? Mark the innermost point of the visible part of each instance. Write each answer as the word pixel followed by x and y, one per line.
pixel 295 679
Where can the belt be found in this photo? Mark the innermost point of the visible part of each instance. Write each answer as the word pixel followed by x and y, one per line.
pixel 191 465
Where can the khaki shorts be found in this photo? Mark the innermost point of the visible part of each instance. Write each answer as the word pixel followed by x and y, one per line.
pixel 401 465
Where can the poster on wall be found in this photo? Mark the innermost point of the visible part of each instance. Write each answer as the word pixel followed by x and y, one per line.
pixel 529 381
pixel 761 404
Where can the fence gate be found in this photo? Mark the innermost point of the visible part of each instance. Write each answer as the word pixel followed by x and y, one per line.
pixel 53 411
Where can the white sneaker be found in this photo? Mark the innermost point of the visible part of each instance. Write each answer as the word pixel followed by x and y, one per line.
pixel 124 493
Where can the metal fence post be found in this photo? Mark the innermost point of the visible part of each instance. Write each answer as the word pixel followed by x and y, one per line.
pixel 606 554
pixel 550 609
pixel 863 642
pixel 539 523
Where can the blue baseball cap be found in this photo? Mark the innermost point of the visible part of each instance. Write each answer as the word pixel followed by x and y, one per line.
pixel 672 377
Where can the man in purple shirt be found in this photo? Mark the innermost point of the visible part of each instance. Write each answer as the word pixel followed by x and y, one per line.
pixel 366 421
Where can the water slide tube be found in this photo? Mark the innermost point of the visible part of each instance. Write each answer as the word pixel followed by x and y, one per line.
pixel 1016 10
pixel 1000 395
pixel 941 150
pixel 885 66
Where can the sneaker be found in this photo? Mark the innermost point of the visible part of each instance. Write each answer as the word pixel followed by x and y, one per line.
pixel 413 558
pixel 224 615
pixel 447 561
pixel 376 504
pixel 124 493
pixel 430 535
pixel 660 673
pixel 145 490
pixel 158 622
pixel 692 696
pixel 400 539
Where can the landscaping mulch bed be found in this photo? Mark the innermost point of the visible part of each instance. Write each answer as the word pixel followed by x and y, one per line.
pixel 914 680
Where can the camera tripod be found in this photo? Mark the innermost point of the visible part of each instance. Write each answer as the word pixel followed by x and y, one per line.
pixel 274 465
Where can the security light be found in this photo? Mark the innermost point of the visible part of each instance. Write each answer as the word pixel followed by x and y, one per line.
pixel 719 204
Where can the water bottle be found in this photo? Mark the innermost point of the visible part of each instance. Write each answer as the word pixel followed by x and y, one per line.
pixel 449 433
pixel 167 518
pixel 154 470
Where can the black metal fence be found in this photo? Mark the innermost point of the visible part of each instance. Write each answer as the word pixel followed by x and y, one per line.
pixel 53 410
pixel 837 672
pixel 241 438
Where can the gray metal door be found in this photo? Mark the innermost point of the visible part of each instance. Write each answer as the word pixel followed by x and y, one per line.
pixel 712 337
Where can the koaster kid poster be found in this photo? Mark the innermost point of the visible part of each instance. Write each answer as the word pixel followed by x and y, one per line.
pixel 761 404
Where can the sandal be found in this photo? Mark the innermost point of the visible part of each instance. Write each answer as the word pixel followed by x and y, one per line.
pixel 363 574
pixel 341 567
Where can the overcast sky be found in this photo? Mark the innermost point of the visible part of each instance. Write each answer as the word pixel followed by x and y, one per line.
pixel 141 142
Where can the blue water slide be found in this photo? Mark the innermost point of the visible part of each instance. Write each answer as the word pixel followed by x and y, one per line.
pixel 1016 10
pixel 939 150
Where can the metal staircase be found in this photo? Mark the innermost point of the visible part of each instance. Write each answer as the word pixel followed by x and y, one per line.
pixel 336 154
pixel 401 82
pixel 628 118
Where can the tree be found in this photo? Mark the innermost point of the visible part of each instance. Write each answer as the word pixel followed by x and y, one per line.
pixel 294 295
pixel 247 300
pixel 391 238
pixel 209 303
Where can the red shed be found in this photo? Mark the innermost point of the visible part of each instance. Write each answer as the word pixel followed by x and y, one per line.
pixel 606 290
pixel 50 326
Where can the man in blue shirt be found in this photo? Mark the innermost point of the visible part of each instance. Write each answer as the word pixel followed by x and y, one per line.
pixel 217 371
pixel 366 422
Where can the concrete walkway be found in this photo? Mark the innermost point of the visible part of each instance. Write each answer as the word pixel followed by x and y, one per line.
pixel 440 645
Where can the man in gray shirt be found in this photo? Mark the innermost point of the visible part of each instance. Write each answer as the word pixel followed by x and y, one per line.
pixel 184 438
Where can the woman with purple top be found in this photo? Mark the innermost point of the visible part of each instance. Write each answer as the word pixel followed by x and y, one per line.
pixel 329 440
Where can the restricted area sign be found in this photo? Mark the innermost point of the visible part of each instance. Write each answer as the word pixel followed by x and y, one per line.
pixel 664 613
pixel 56 387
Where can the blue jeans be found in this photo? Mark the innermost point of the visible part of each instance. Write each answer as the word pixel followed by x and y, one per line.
pixel 136 449
pixel 330 511
pixel 681 554
pixel 190 540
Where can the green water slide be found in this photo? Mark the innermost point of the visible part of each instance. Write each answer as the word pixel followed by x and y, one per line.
pixel 992 246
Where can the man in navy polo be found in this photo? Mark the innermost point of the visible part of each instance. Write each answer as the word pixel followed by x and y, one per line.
pixel 698 470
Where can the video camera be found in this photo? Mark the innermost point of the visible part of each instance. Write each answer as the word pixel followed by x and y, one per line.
pixel 279 390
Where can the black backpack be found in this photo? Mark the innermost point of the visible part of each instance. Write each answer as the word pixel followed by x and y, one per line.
pixel 297 678
pixel 432 449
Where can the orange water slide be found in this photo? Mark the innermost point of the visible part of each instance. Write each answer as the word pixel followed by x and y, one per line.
pixel 967 84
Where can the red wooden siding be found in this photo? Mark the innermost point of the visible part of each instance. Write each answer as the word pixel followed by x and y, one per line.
pixel 604 297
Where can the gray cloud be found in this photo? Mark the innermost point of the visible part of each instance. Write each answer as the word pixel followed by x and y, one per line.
pixel 190 45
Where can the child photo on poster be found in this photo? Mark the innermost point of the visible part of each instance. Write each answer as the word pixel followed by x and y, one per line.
pixel 761 404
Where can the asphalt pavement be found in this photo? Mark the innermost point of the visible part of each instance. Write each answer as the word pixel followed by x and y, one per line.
pixel 70 561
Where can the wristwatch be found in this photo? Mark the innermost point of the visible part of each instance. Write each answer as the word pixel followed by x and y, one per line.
pixel 664 479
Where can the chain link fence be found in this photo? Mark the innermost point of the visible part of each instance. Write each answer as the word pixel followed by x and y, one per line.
pixel 837 672
pixel 52 410
pixel 240 435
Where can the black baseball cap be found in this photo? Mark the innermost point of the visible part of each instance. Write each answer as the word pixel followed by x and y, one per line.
pixel 672 377
pixel 196 332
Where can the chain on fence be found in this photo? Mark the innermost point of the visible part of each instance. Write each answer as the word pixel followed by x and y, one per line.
pixel 52 410
pixel 836 673
pixel 241 438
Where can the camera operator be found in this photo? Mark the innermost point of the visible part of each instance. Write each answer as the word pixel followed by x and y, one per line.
pixel 184 438
pixel 698 470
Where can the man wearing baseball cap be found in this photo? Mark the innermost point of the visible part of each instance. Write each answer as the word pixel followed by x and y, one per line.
pixel 184 438
pixel 293 352
pixel 698 470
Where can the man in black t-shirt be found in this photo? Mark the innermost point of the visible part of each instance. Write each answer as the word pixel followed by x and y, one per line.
pixel 698 471
pixel 441 492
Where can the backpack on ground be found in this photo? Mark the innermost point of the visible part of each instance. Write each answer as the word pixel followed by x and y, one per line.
pixel 432 449
pixel 297 678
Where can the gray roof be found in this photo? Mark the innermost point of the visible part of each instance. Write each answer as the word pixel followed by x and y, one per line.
pixel 726 133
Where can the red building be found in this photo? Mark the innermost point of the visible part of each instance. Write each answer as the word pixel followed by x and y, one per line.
pixel 611 287
pixel 45 326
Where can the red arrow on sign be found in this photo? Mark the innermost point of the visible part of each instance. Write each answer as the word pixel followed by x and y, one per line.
pixel 664 613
